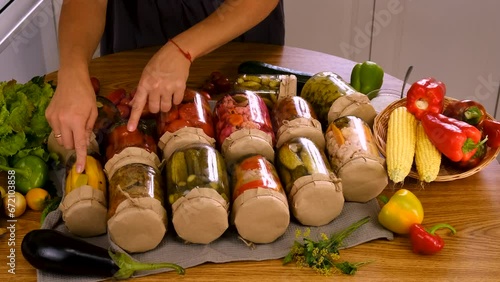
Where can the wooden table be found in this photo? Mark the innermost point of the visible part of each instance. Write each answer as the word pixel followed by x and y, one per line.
pixel 471 205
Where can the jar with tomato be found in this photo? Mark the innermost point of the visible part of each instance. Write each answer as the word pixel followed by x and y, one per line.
pixel 355 158
pixel 137 219
pixel 314 192
pixel 198 190
pixel 268 86
pixel 294 117
pixel 260 208
pixel 243 126
pixel 189 122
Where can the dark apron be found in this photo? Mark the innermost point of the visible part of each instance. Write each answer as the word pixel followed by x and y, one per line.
pixel 132 24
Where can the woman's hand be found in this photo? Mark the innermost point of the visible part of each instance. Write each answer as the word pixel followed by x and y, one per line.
pixel 72 113
pixel 162 83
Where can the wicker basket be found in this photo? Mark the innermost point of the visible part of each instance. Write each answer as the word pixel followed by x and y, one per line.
pixel 447 172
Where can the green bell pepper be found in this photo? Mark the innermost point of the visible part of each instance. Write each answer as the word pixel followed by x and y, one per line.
pixel 30 172
pixel 367 77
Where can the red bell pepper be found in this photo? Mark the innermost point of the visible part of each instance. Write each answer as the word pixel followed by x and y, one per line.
pixel 426 242
pixel 426 95
pixel 455 139
pixel 491 129
pixel 469 111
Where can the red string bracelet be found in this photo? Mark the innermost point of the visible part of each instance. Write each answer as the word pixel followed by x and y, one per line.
pixel 186 54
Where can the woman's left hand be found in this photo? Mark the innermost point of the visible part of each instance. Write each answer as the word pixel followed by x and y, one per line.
pixel 162 83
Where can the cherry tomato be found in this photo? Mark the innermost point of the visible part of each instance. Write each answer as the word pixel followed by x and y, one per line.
pixel 117 95
pixel 124 110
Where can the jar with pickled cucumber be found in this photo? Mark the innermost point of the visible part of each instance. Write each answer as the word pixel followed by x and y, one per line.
pixel 294 117
pixel 332 97
pixel 269 87
pixel 243 126
pixel 314 192
pixel 260 209
pixel 137 219
pixel 189 122
pixel 198 191
pixel 355 158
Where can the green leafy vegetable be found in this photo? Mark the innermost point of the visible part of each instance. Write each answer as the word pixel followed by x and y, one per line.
pixel 324 255
pixel 22 115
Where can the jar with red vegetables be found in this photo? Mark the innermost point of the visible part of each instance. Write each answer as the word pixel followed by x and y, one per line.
pixel 314 192
pixel 268 86
pixel 293 117
pixel 355 158
pixel 260 209
pixel 189 122
pixel 243 126
pixel 198 190
pixel 119 138
pixel 137 219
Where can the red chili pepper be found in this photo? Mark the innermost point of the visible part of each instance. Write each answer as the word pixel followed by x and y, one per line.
pixel 426 96
pixel 469 111
pixel 455 139
pixel 491 129
pixel 426 242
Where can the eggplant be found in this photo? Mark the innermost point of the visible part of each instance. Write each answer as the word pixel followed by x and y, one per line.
pixel 53 251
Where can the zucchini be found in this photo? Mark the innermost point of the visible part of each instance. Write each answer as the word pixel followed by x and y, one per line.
pixel 258 67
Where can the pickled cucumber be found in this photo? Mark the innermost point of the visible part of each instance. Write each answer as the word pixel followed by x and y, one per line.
pixel 179 172
pixel 192 162
pixel 298 172
pixel 309 162
pixel 289 158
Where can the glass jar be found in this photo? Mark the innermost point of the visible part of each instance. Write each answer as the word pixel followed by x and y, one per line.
pixel 260 207
pixel 267 86
pixel 137 219
pixel 355 158
pixel 313 190
pixel 120 138
pixel 193 111
pixel 332 97
pixel 243 126
pixel 294 117
pixel 198 190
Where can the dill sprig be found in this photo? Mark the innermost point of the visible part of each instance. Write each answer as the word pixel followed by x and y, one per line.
pixel 324 255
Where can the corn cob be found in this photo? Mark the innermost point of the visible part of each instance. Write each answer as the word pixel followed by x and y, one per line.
pixel 427 157
pixel 400 146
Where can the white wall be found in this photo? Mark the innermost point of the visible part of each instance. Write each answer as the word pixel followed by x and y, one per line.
pixel 456 41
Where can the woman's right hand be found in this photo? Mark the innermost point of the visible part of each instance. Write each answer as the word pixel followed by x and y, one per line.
pixel 72 112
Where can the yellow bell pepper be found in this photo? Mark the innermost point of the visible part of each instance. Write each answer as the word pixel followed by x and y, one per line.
pixel 401 211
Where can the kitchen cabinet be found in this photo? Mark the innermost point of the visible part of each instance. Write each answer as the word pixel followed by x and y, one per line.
pixel 455 41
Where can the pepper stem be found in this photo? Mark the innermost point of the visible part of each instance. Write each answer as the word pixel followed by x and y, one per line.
pixel 473 114
pixel 440 226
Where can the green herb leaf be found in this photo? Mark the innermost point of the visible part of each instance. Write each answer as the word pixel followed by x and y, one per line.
pixel 324 255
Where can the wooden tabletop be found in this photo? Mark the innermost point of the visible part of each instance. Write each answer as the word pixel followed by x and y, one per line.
pixel 471 205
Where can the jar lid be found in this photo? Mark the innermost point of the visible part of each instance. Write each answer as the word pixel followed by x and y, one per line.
pixel 169 142
pixel 201 216
pixel 362 179
pixel 131 155
pixel 138 225
pixel 355 104
pixel 301 127
pixel 261 215
pixel 316 199
pixel 245 142
pixel 84 211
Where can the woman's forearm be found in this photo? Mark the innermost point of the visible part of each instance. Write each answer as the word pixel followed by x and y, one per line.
pixel 231 19
pixel 81 26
